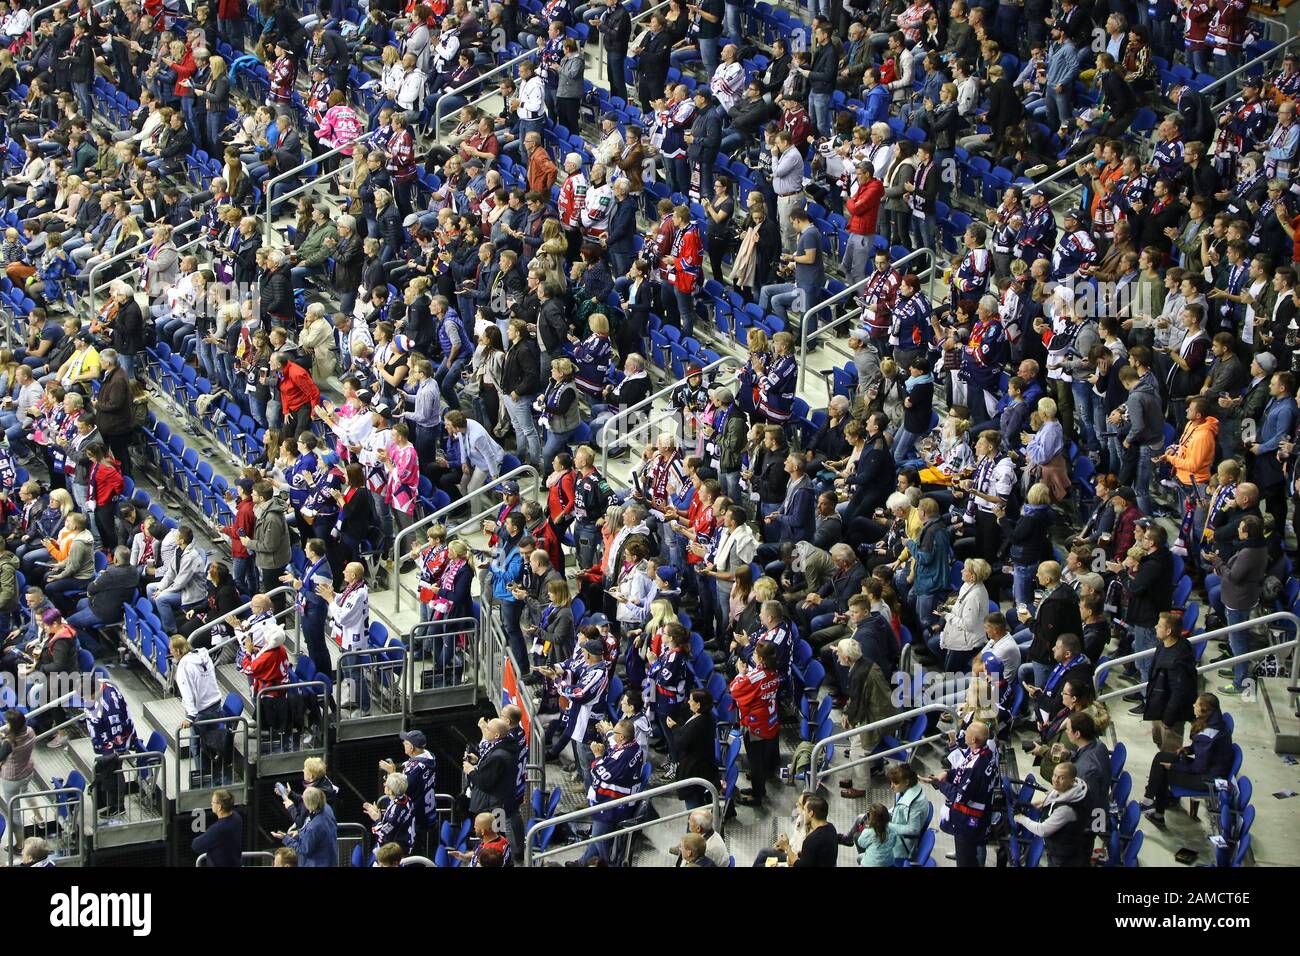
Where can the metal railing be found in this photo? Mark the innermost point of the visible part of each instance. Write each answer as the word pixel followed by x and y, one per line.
pixel 437 643
pixel 619 831
pixel 50 705
pixel 502 67
pixel 247 858
pixel 1283 616
pixel 60 813
pixel 840 296
pixel 310 740
pixel 495 653
pixel 92 288
pixel 46 11
pixel 133 795
pixel 232 619
pixel 399 554
pixel 603 437
pixel 816 773
pixel 349 835
pixel 375 677
pixel 268 188
pixel 1266 55
pixel 213 771
pixel 134 275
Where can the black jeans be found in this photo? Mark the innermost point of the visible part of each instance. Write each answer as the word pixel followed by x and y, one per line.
pixel 968 848
pixel 763 756
pixel 109 783
pixel 1162 778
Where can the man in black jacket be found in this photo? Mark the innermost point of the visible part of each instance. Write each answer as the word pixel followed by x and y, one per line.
pixel 1057 614
pixel 652 63
pixel 277 289
pixel 223 841
pixel 1194 108
pixel 821 79
pixel 491 771
pixel 329 50
pixel 615 26
pixel 1171 687
pixel 748 117
pixel 704 139
pixel 107 594
pixel 520 383
pixel 1150 594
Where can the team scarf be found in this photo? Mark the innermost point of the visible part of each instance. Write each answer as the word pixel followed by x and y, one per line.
pixel 1222 495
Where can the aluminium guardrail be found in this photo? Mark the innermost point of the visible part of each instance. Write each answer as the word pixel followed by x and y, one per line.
pixel 405 533
pixel 620 831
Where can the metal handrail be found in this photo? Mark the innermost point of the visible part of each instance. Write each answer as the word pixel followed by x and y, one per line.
pixel 320 746
pixel 1285 44
pixel 437 106
pixel 231 616
pixel 603 438
pixel 245 858
pixel 56 797
pixel 815 775
pixel 46 11
pixel 805 337
pixel 641 797
pixel 268 189
pixel 50 705
pixel 636 18
pixel 426 631
pixel 134 250
pixel 1284 616
pixel 181 249
pixel 447 509
pixel 179 764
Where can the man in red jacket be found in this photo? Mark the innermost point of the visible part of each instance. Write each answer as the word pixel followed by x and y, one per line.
pixel 863 208
pixel 298 394
pixel 754 691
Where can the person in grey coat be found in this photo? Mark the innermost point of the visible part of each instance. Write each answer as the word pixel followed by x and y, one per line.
pixel 569 93
pixel 1242 577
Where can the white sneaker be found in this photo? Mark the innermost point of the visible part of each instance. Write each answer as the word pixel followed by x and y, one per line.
pixel 58 740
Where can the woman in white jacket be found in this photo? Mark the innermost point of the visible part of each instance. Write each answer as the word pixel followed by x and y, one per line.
pixel 963 622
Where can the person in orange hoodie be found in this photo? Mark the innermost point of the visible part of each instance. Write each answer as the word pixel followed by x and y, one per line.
pixel 1193 456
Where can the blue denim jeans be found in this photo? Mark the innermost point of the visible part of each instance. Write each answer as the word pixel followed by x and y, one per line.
pixel 904 445
pixel 1022 585
pixel 709 54
pixel 1144 639
pixel 1238 643
pixel 819 104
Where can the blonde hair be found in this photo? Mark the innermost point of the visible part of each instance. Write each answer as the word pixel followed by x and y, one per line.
pixel 661 613
pixel 60 497
pixel 1047 408
pixel 459 550
pixel 764 589
pixel 756 341
pixel 599 323
pixel 1039 494
pixel 979 569
pixel 313 767
pixel 562 365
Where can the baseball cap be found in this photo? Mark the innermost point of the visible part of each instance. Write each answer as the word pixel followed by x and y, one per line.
pixel 365 396
pixel 1127 493
pixel 693 369
pixel 510 488
pixel 382 408
pixel 861 335
pixel 415 738
pixel 245 484
pixel 611 117
pixel 1037 191
pixel 410 221
pixel 1075 214
pixel 591 647
pixel 596 620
